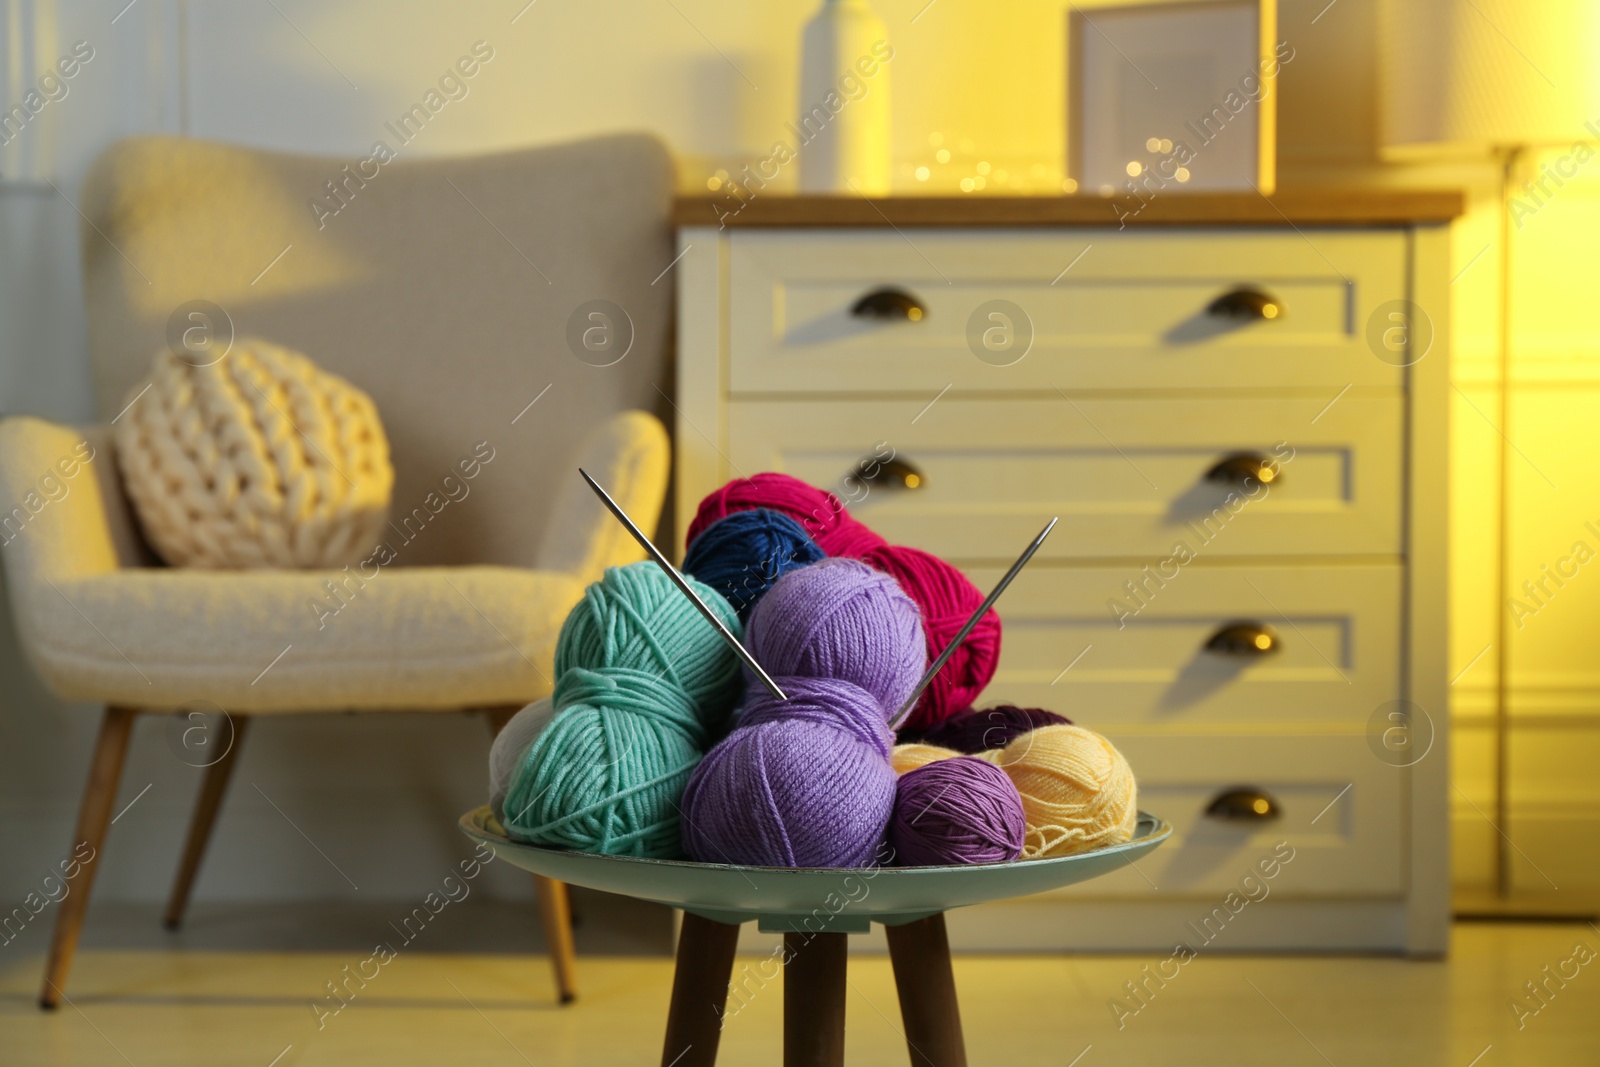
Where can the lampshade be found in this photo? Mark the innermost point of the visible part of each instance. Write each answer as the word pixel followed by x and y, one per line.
pixel 1483 74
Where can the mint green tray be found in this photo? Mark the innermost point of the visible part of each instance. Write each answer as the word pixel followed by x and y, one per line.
pixel 836 899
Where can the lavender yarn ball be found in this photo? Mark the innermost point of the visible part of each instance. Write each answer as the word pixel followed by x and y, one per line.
pixel 800 783
pixel 956 811
pixel 742 555
pixel 841 619
pixel 973 731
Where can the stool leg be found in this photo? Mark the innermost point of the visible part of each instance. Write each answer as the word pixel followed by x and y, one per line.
pixel 699 992
pixel 920 953
pixel 813 999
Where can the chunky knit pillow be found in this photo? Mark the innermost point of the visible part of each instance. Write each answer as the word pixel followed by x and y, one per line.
pixel 257 460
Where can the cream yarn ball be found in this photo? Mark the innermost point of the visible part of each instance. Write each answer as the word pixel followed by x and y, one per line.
pixel 1078 791
pixel 257 460
pixel 914 754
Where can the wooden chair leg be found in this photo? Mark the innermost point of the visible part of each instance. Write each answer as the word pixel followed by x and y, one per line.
pixel 206 807
pixel 555 912
pixel 920 954
pixel 105 771
pixel 699 992
pixel 813 999
pixel 555 908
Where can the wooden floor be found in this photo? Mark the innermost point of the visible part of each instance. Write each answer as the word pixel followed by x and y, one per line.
pixel 181 1007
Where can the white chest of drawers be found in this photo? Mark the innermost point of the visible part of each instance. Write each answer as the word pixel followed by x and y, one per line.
pixel 1023 359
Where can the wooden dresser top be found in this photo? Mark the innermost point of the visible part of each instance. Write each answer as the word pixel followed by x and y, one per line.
pixel 1290 207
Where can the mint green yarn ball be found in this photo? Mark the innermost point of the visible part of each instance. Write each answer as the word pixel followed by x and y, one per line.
pixel 643 683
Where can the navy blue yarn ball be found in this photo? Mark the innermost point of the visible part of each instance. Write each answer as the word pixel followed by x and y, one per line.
pixel 741 556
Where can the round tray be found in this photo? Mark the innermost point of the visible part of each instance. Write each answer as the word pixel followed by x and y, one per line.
pixel 809 899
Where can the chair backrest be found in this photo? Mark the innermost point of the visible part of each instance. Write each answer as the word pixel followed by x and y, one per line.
pixel 454 291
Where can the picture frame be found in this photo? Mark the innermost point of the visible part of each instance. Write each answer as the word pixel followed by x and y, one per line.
pixel 1209 124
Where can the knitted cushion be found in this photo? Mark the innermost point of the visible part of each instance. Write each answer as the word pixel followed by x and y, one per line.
pixel 257 460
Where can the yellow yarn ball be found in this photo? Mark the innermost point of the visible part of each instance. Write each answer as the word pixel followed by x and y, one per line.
pixel 1078 791
pixel 911 756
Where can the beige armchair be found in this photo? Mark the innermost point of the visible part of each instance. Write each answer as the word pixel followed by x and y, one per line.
pixel 448 291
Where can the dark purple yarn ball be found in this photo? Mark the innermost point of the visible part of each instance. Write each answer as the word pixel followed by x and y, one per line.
pixel 956 811
pixel 977 730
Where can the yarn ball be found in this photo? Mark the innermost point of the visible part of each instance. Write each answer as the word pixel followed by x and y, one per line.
pixel 974 731
pixel 511 746
pixel 956 811
pixel 259 459
pixel 642 684
pixel 946 599
pixel 820 513
pixel 909 757
pixel 800 783
pixel 841 619
pixel 742 555
pixel 1078 792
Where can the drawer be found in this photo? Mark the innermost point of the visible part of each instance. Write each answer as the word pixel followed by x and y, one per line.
pixel 1130 313
pixel 1145 662
pixel 1128 477
pixel 1337 809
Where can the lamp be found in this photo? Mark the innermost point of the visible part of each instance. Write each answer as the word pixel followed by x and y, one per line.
pixel 1493 78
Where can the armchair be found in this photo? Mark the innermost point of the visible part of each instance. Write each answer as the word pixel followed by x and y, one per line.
pixel 422 289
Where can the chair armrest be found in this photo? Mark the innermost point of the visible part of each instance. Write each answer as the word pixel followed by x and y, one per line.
pixel 62 512
pixel 629 454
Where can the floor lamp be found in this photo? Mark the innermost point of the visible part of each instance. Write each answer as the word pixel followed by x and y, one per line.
pixel 1494 79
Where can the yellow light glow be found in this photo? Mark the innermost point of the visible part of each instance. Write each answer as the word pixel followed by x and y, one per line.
pixel 1135 168
pixel 966 185
pixel 983 167
pixel 1069 186
pixel 943 155
pixel 1182 174
pixel 1268 474
pixel 912 481
pixel 1270 311
pixel 1166 145
pixel 1263 642
pixel 979 183
pixel 1153 145
pixel 1260 806
pixel 914 314
pixel 922 174
pixel 713 183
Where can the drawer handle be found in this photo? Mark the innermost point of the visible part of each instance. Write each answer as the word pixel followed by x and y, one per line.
pixel 1246 804
pixel 889 303
pixel 893 473
pixel 1242 468
pixel 1246 302
pixel 1244 639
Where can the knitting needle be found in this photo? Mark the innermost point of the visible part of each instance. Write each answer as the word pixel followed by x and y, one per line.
pixel 983 609
pixel 683 586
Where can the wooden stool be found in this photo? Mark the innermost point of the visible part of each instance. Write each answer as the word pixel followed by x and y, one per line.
pixel 816 910
pixel 813 994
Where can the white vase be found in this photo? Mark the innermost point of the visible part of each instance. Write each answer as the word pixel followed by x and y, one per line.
pixel 843 128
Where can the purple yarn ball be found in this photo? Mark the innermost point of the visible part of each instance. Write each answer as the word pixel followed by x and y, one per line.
pixel 800 783
pixel 841 619
pixel 979 731
pixel 956 811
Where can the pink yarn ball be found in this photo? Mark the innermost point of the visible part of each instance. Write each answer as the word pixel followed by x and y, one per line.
pixel 946 599
pixel 820 513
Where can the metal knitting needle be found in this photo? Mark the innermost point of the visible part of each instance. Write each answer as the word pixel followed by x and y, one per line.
pixel 967 628
pixel 683 586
